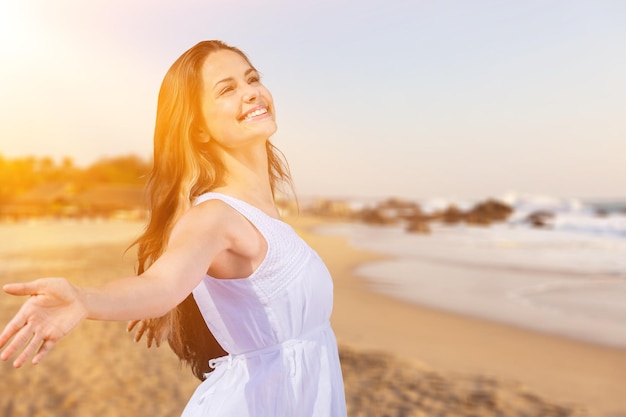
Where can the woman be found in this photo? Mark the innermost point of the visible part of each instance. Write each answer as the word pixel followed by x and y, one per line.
pixel 215 255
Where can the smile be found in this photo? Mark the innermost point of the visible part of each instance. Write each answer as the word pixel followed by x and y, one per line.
pixel 255 113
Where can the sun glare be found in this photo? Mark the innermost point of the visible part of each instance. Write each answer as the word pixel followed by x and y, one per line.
pixel 8 24
pixel 16 28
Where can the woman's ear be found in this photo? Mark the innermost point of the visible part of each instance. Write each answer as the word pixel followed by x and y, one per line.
pixel 204 137
pixel 200 135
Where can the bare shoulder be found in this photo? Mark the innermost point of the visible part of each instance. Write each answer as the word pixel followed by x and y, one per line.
pixel 213 219
pixel 212 211
pixel 220 238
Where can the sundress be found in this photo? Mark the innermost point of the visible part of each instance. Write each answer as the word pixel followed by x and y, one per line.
pixel 275 325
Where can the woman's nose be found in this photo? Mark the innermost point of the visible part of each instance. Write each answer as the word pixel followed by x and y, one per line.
pixel 251 93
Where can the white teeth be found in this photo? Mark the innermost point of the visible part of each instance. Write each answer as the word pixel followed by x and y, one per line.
pixel 255 113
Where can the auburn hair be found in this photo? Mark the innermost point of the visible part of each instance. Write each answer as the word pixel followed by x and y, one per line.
pixel 185 166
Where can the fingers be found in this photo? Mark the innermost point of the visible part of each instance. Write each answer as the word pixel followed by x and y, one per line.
pixel 150 336
pixel 33 346
pixel 21 338
pixel 140 330
pixel 22 288
pixel 10 330
pixel 5 336
pixel 45 347
pixel 142 327
pixel 131 325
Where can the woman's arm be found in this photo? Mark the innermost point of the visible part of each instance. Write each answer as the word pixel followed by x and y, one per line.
pixel 55 307
pixel 199 236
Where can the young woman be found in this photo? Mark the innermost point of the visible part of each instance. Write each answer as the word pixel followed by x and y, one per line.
pixel 215 255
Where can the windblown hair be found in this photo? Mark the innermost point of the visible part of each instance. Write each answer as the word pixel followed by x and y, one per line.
pixel 187 164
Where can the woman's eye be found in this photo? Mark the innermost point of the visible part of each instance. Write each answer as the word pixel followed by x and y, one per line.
pixel 226 90
pixel 254 79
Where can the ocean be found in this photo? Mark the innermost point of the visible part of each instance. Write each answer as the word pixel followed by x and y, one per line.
pixel 568 279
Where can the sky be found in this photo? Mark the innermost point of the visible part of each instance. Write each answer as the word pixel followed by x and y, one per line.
pixel 414 99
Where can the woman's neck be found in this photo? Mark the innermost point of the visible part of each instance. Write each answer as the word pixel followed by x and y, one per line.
pixel 248 176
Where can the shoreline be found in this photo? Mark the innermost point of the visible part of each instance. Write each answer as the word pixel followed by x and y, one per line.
pixel 566 371
pixel 510 297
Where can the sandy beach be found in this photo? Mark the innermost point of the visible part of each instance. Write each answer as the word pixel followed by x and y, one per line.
pixel 98 370
pixel 565 371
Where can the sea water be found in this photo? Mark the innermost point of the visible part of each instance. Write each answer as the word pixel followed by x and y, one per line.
pixel 568 280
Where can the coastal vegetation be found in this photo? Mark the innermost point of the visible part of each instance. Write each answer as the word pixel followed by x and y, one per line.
pixel 32 187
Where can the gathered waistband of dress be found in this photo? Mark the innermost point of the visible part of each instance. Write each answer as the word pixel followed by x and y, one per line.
pixel 213 363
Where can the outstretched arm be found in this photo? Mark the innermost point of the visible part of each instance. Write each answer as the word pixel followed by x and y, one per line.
pixel 55 306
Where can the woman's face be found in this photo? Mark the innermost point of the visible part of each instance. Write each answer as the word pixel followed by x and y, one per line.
pixel 237 109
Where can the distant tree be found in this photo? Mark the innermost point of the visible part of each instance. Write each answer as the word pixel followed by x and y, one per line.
pixel 19 175
pixel 16 176
pixel 67 163
pixel 4 187
pixel 128 169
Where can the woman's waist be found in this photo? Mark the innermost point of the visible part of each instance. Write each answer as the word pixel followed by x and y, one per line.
pixel 307 338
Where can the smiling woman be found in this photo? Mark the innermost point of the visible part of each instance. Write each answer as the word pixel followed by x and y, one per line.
pixel 218 270
pixel 236 107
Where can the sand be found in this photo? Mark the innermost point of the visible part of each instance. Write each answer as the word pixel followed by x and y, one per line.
pixel 97 370
pixel 386 345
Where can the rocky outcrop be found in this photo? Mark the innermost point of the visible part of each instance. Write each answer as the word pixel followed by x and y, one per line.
pixel 390 211
pixel 376 216
pixel 452 215
pixel 488 212
pixel 394 210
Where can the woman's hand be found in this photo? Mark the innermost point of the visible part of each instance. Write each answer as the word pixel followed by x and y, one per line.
pixel 52 311
pixel 155 333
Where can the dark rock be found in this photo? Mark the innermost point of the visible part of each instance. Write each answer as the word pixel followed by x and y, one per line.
pixel 376 216
pixel 539 219
pixel 488 212
pixel 601 212
pixel 452 215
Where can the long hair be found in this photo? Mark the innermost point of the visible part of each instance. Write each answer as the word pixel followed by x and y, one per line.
pixel 186 165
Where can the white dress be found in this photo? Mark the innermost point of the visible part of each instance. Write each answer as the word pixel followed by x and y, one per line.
pixel 283 358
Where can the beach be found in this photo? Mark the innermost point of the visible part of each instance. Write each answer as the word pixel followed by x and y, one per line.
pixel 438 360
pixel 560 369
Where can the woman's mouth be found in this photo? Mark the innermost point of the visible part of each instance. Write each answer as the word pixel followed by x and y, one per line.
pixel 259 111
